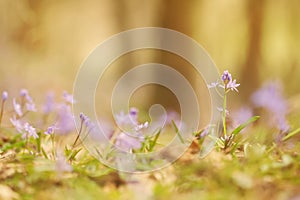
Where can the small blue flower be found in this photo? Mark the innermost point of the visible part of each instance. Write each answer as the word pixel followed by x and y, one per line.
pixel 130 119
pixel 29 131
pixel 23 93
pixel 50 130
pixel 25 129
pixel 31 107
pixel 65 122
pixel 4 96
pixel 226 77
pixel 228 82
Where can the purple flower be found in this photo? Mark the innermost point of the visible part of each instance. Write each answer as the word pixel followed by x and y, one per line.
pixel 68 98
pixel 23 92
pixel 87 122
pixel 270 97
pixel 31 107
pixel 133 115
pixel 121 118
pixel 61 163
pixel 129 122
pixel 29 131
pixel 226 77
pixel 4 96
pixel 49 105
pixel 229 83
pixel 127 143
pixel 101 133
pixel 65 122
pixel 50 130
pixel 130 119
pixel 17 124
pixel 133 111
pixel 171 116
pixel 232 85
pixel 26 130
pixel 17 108
pixel 242 115
pixel 83 117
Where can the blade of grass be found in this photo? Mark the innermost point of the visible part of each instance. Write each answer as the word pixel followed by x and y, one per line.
pixel 291 134
pixel 177 132
pixel 153 142
pixel 242 126
pixel 44 153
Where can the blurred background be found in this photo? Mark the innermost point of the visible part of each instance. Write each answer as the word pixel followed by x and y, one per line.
pixel 43 43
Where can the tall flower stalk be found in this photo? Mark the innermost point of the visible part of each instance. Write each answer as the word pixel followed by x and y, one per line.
pixel 227 141
pixel 228 85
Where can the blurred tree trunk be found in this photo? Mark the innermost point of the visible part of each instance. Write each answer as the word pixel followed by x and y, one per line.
pixel 250 76
pixel 175 15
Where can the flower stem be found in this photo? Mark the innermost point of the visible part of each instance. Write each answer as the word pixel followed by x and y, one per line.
pixel 53 146
pixel 1 112
pixel 77 137
pixel 224 115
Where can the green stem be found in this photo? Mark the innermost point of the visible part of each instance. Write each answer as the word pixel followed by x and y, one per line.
pixel 77 137
pixel 53 145
pixel 111 143
pixel 224 115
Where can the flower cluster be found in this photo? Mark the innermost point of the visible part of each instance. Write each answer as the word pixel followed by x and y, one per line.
pixel 270 97
pixel 24 104
pixel 228 83
pixel 20 109
pixel 26 101
pixel 131 130
pixel 25 129
pixel 50 130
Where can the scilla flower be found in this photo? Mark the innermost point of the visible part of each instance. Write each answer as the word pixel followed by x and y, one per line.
pixel 228 83
pixel 4 96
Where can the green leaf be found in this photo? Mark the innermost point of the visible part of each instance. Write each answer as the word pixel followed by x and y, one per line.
pixel 17 145
pixel 38 142
pixel 44 153
pixel 153 142
pixel 291 134
pixel 74 153
pixel 99 153
pixel 220 143
pixel 177 132
pixel 244 125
